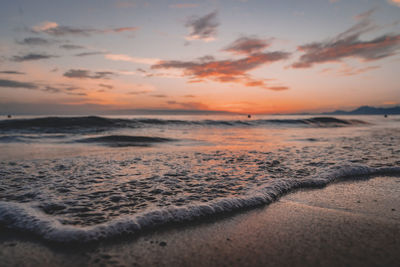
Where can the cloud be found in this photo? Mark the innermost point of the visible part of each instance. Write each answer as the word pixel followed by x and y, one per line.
pixel 107 86
pixel 67 90
pixel 17 84
pixel 170 73
pixel 348 44
pixel 278 88
pixel 395 2
pixel 188 105
pixel 159 96
pixel 53 89
pixel 140 60
pixel 11 72
pixel 44 26
pixel 32 56
pixel 34 41
pixel 347 70
pixel 86 74
pixel 77 94
pixel 71 47
pixel 184 5
pixel 203 28
pixel 124 29
pixel 229 70
pixel 140 92
pixel 247 45
pixel 63 88
pixel 52 28
pixel 84 54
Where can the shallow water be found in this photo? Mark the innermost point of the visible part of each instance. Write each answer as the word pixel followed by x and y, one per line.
pixel 88 178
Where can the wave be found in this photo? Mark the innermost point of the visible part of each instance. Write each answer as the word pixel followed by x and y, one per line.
pixel 24 217
pixel 98 124
pixel 62 124
pixel 125 140
pixel 28 138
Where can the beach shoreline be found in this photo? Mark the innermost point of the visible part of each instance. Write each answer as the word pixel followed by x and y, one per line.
pixel 352 223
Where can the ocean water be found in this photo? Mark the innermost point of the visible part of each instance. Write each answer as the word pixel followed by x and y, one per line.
pixel 81 179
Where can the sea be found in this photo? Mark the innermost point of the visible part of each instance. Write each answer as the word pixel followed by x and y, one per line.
pixel 89 178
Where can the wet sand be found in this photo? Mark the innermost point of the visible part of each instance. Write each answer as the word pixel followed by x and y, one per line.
pixel 353 223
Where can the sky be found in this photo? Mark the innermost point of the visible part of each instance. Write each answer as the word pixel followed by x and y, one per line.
pixel 243 56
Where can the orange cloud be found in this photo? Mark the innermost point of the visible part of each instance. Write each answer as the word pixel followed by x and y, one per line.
pixel 378 48
pixel 225 70
pixel 348 44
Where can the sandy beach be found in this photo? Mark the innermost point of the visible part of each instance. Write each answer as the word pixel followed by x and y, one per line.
pixel 351 223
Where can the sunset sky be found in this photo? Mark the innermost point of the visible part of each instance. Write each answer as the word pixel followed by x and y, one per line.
pixel 247 56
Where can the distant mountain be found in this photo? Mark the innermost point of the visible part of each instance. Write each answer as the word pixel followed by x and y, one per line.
pixel 366 110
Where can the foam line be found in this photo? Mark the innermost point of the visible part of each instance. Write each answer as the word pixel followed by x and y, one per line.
pixel 24 217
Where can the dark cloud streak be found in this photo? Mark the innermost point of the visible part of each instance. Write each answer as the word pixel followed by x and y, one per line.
pixel 86 74
pixel 32 56
pixel 203 28
pixel 159 96
pixel 106 86
pixel 67 30
pixel 84 54
pixel 247 45
pixel 53 29
pixel 35 41
pixel 17 84
pixel 66 89
pixel 71 47
pixel 12 72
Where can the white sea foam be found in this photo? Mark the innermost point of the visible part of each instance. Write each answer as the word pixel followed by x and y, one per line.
pixel 24 217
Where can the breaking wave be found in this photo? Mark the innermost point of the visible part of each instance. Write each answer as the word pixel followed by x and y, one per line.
pixel 98 124
pixel 61 124
pixel 24 217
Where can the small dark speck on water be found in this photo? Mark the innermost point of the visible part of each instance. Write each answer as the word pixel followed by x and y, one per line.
pixel 163 244
pixel 393 209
